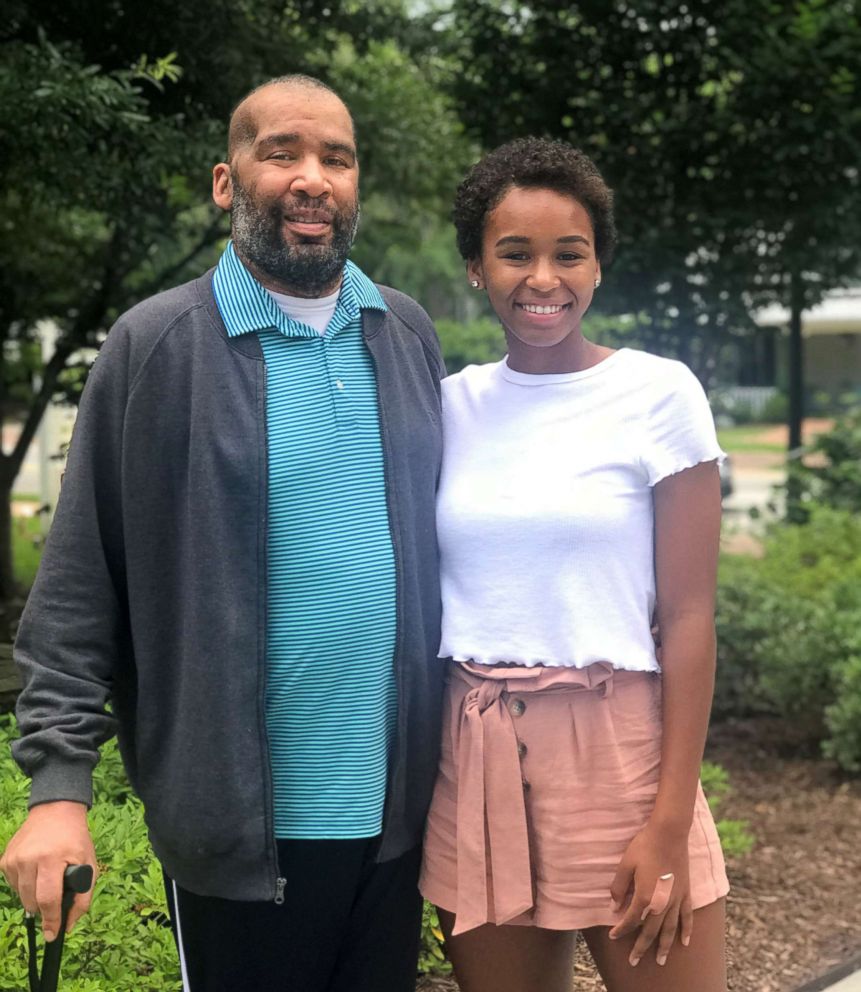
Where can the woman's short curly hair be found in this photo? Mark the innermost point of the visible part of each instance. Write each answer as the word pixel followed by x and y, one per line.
pixel 532 163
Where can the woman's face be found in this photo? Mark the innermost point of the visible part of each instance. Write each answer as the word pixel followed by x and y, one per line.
pixel 539 268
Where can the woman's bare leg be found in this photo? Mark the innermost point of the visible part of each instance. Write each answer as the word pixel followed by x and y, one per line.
pixel 700 966
pixel 510 959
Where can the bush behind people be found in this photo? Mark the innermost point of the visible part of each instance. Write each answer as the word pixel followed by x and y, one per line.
pixel 789 632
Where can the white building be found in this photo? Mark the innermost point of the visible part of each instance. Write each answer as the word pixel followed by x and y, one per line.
pixel 832 342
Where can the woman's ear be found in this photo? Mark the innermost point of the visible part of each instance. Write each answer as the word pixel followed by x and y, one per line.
pixel 475 274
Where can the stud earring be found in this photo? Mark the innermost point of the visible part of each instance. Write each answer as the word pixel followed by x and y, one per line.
pixel 474 283
pixel 597 283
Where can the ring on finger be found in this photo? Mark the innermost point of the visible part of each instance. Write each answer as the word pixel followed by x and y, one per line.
pixel 660 897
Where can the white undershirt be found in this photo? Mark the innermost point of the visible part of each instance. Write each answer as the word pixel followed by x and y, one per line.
pixel 316 312
pixel 545 515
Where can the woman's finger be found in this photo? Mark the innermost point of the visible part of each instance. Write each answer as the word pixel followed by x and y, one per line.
pixel 662 894
pixel 686 923
pixel 621 884
pixel 632 920
pixel 669 929
pixel 650 930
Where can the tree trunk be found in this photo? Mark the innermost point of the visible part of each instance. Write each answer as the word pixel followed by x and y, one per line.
pixel 794 510
pixel 7 576
pixel 796 361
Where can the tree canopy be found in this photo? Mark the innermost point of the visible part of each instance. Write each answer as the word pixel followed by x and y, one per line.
pixel 730 131
pixel 111 117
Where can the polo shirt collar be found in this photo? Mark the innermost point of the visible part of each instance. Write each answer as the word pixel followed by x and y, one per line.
pixel 245 305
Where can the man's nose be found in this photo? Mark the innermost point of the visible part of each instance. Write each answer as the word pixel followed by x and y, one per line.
pixel 311 179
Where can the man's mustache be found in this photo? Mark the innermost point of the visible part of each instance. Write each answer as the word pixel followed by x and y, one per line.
pixel 315 209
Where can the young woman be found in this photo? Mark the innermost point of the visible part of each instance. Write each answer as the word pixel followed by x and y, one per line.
pixel 579 501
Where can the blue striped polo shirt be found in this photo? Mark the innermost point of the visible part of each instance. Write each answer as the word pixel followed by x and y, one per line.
pixel 331 700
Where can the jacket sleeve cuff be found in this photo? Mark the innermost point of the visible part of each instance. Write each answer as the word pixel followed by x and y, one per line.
pixel 62 781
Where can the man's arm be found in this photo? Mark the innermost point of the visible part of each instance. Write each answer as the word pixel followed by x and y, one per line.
pixel 72 629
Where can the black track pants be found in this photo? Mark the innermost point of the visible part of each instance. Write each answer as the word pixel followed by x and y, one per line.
pixel 347 924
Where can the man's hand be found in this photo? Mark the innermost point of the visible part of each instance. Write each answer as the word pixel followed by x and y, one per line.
pixel 53 836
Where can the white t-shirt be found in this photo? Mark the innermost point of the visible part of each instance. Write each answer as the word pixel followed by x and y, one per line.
pixel 545 514
pixel 316 312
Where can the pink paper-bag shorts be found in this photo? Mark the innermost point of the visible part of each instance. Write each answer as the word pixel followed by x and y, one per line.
pixel 546 775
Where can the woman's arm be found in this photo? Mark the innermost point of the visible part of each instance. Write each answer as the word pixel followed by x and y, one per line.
pixel 687 535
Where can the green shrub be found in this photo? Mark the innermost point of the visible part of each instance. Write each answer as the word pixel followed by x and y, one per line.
pixel 735 836
pixel 745 612
pixel 472 343
pixel 843 716
pixel 26 548
pixel 775 410
pixel 829 473
pixel 789 627
pixel 432 959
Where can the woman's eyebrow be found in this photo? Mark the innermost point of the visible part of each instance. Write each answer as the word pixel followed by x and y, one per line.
pixel 516 239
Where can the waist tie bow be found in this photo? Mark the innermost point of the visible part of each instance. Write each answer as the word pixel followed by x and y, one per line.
pixel 492 829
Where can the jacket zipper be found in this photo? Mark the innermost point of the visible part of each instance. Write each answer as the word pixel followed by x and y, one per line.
pixel 280 883
pixel 399 681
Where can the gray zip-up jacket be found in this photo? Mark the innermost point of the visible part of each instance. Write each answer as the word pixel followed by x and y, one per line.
pixel 151 595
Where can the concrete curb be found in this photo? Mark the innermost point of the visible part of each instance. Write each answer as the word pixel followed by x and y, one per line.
pixel 845 977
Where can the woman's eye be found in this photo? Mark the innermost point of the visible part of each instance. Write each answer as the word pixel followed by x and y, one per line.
pixel 570 256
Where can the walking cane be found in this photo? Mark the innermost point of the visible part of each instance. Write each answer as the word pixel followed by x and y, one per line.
pixel 76 879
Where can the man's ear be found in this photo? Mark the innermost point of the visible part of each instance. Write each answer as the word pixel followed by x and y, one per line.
pixel 222 186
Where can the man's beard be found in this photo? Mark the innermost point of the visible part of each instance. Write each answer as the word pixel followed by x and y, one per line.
pixel 310 268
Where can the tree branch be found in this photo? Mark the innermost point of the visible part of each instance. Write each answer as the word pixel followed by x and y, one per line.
pixel 210 236
pixel 50 375
pixel 89 317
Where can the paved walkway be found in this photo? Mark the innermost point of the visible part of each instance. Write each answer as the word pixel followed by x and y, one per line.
pixel 850 984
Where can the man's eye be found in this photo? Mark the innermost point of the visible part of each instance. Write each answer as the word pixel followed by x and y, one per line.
pixel 281 156
pixel 337 162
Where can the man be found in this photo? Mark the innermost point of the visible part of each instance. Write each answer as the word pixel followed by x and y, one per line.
pixel 243 562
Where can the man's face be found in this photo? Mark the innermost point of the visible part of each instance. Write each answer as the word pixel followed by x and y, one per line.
pixel 292 191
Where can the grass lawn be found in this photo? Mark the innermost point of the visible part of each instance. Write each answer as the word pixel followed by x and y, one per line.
pixel 749 437
pixel 26 548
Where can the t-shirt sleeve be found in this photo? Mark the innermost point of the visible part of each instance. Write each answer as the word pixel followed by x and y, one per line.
pixel 680 432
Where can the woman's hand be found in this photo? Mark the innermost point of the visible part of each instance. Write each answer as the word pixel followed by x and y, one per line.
pixel 659 907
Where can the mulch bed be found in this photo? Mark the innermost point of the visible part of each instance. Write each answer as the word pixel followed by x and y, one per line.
pixel 794 911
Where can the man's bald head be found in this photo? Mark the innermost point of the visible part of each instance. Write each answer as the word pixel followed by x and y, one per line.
pixel 243 121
